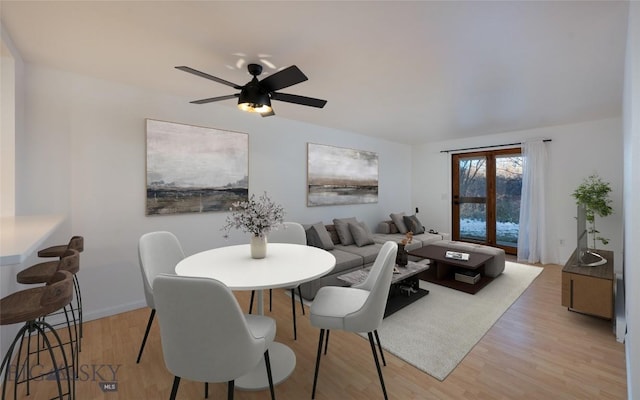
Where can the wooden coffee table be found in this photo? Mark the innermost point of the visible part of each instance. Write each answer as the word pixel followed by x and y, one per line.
pixel 443 268
pixel 405 287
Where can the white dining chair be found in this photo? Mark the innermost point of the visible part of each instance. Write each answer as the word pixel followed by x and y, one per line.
pixel 359 308
pixel 288 232
pixel 205 336
pixel 158 253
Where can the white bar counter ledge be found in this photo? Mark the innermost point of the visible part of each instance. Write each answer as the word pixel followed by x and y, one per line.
pixel 20 236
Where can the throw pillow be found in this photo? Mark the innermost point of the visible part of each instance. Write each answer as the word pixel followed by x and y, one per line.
pixel 342 227
pixel 399 222
pixel 313 239
pixel 392 227
pixel 333 234
pixel 317 236
pixel 360 234
pixel 324 236
pixel 413 224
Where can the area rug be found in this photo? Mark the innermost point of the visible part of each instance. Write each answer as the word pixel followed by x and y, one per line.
pixel 436 332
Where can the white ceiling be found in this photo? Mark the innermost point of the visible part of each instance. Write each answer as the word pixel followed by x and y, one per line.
pixel 410 72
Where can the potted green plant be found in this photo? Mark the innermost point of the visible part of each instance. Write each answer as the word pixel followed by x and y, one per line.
pixel 593 193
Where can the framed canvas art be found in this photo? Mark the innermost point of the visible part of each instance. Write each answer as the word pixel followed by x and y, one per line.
pixel 193 169
pixel 337 175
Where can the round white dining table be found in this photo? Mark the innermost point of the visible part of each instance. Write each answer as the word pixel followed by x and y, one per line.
pixel 285 265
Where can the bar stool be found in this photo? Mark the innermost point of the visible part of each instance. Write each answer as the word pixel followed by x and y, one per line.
pixel 75 243
pixel 43 272
pixel 29 306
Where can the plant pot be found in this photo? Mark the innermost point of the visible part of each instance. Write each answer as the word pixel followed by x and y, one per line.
pixel 258 246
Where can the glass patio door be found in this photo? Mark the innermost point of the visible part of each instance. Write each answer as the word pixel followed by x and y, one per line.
pixel 486 197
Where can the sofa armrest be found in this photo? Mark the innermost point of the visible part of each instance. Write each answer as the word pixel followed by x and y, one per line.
pixel 383 227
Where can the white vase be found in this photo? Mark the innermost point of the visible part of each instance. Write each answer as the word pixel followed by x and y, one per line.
pixel 258 246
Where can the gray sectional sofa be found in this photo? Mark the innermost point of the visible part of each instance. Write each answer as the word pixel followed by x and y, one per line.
pixel 355 254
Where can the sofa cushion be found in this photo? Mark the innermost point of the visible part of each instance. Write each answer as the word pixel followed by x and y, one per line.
pixel 427 238
pixel 317 236
pixel 342 227
pixel 368 253
pixel 345 260
pixel 413 224
pixel 360 233
pixel 399 222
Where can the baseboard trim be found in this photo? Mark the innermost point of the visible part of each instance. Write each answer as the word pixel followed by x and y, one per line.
pixel 102 313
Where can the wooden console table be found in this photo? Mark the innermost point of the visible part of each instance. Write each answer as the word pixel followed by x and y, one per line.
pixel 589 290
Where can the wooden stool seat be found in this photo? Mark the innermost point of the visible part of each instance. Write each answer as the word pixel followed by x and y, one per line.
pixel 43 272
pixel 31 304
pixel 76 243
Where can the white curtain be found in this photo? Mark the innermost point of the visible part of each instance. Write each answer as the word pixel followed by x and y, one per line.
pixel 533 239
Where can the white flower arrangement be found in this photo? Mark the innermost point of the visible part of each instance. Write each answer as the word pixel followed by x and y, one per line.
pixel 257 217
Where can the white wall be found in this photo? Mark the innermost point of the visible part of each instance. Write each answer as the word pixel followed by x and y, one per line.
pixel 82 154
pixel 575 152
pixel 632 199
pixel 11 66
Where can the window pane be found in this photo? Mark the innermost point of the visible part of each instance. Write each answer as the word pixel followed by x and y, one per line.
pixel 508 188
pixel 473 177
pixel 473 222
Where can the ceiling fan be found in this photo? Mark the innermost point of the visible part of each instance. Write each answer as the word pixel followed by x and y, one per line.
pixel 256 96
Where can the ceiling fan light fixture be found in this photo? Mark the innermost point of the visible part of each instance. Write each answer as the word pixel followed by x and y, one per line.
pixel 252 99
pixel 256 95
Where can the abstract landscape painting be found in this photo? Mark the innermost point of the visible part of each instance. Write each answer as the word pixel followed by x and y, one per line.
pixel 192 169
pixel 337 175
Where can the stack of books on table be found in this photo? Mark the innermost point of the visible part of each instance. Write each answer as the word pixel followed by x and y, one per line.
pixel 467 276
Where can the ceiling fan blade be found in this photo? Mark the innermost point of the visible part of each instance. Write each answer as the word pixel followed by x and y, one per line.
pixel 212 99
pixel 293 98
pixel 282 79
pixel 268 114
pixel 207 76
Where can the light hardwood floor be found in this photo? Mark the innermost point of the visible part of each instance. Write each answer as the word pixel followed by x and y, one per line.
pixel 536 350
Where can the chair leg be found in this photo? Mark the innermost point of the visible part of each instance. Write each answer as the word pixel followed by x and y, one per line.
pixel 293 312
pixel 267 362
pixel 7 359
pixel 253 294
pixel 27 335
pixel 326 343
pixel 301 303
pixel 174 388
pixel 270 299
pixel 206 390
pixel 384 362
pixel 74 353
pixel 315 375
pixel 375 357
pixel 230 388
pixel 146 333
pixel 79 307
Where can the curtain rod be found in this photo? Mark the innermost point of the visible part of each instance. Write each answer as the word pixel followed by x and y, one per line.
pixel 487 147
